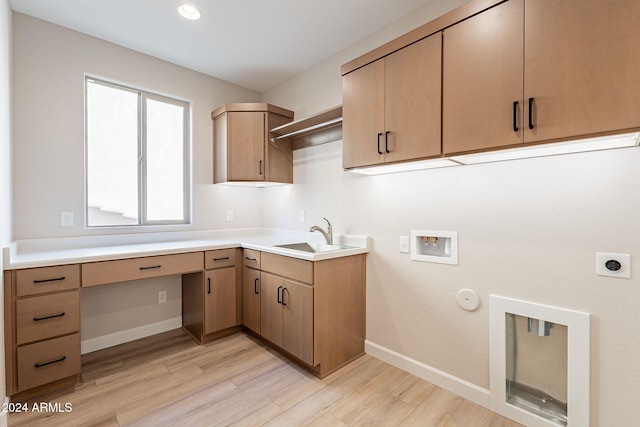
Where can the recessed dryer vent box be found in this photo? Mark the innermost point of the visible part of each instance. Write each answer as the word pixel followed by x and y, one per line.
pixel 434 246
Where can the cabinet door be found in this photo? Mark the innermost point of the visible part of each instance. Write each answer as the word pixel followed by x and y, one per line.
pixel 581 66
pixel 363 115
pixel 482 78
pixel 245 145
pixel 251 299
pixel 219 299
pixel 297 307
pixel 270 308
pixel 413 101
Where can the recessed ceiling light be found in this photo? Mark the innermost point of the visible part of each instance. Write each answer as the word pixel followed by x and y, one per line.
pixel 189 12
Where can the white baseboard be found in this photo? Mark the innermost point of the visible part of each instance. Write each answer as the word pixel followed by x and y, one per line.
pixel 121 337
pixel 440 378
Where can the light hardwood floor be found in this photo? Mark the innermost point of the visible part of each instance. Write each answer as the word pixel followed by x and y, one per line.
pixel 169 380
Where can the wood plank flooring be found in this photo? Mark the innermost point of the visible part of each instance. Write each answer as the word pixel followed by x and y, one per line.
pixel 169 380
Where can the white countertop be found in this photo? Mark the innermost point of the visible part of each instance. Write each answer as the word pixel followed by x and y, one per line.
pixel 72 250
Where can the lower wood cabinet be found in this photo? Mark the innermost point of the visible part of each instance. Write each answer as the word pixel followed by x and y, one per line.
pixel 220 299
pixel 251 289
pixel 42 329
pixel 314 311
pixel 210 299
pixel 286 315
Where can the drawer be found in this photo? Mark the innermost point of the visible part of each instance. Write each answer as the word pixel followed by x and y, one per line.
pixel 104 272
pixel 219 258
pixel 251 258
pixel 48 361
pixel 33 281
pixel 47 316
pixel 294 268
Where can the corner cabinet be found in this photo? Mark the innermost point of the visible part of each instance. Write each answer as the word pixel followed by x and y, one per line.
pixel 243 150
pixel 391 107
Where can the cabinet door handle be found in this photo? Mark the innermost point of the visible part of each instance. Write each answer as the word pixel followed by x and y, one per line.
pixel 250 259
pixel 208 285
pixel 283 290
pixel 515 116
pixel 150 268
pixel 40 365
pixel 221 259
pixel 255 286
pixel 379 135
pixel 53 316
pixel 260 167
pixel 530 113
pixel 279 290
pixel 56 279
pixel 386 141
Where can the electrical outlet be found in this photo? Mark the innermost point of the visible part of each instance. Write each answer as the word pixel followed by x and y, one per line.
pixel 66 218
pixel 403 245
pixel 301 215
pixel 162 297
pixel 613 265
pixel 229 216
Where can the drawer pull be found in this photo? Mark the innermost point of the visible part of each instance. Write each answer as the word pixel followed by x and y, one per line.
pixel 37 319
pixel 250 259
pixel 40 365
pixel 221 259
pixel 57 279
pixel 150 268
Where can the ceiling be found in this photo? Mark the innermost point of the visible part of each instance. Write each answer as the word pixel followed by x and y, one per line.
pixel 257 44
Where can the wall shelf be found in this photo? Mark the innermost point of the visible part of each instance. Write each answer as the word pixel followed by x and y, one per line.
pixel 321 128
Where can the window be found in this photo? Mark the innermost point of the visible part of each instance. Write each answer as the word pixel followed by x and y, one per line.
pixel 137 157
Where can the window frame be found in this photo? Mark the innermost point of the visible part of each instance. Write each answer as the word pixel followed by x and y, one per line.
pixel 143 95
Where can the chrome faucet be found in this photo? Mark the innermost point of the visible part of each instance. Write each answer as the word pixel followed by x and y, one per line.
pixel 328 235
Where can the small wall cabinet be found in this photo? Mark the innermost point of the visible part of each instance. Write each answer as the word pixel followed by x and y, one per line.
pixel 243 150
pixel 391 107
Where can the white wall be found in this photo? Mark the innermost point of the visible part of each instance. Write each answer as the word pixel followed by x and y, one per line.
pixel 5 163
pixel 48 162
pixel 528 229
pixel 48 127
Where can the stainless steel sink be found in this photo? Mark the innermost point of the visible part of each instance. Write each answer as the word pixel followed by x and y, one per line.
pixel 313 247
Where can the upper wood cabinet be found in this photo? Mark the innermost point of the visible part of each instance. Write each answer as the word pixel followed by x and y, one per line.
pixel 482 80
pixel 513 72
pixel 391 107
pixel 243 151
pixel 579 76
pixel 581 62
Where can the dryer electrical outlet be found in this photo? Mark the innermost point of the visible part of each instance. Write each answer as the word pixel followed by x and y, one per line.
pixel 613 265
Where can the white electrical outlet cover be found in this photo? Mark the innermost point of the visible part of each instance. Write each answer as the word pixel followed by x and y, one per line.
pixel 625 265
pixel 403 245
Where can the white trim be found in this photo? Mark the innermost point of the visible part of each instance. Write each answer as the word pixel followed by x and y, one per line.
pixel 578 363
pixel 121 337
pixel 440 378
